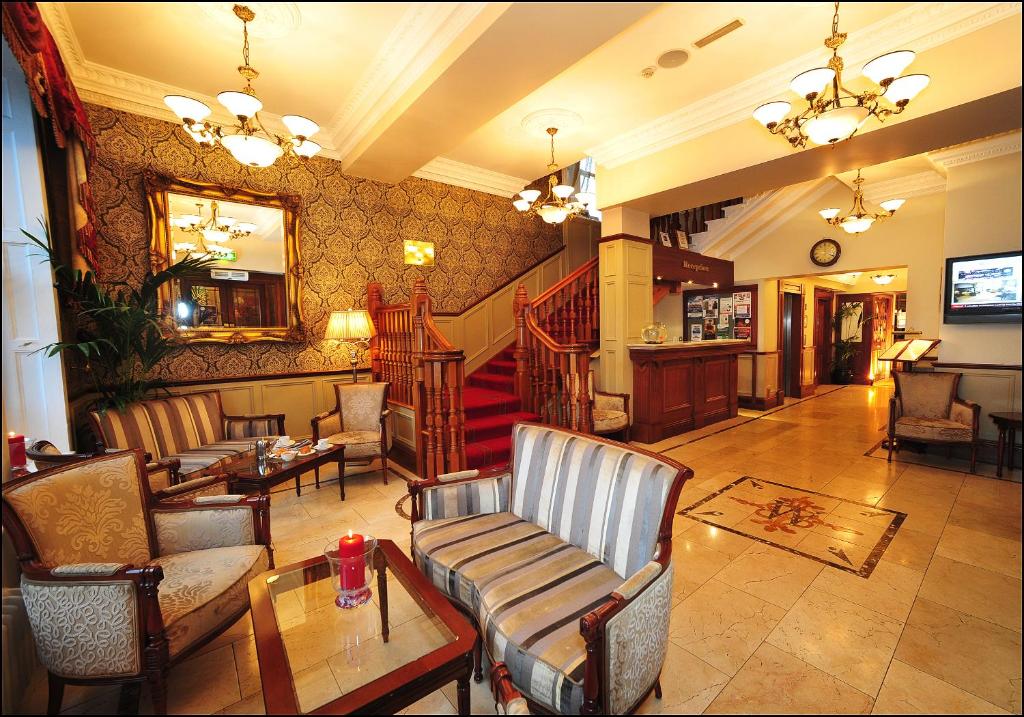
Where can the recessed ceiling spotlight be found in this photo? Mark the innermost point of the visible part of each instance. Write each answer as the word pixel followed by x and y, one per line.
pixel 673 58
pixel 648 72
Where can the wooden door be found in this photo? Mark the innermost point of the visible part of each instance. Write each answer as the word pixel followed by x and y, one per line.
pixel 863 336
pixel 822 336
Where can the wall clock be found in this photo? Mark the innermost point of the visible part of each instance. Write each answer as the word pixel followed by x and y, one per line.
pixel 826 252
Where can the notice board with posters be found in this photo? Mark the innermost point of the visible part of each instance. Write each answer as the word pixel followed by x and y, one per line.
pixel 713 314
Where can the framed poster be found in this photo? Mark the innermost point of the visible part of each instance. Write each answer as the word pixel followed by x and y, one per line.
pixel 695 307
pixel 741 304
pixel 666 240
pixel 696 332
pixel 682 239
pixel 711 307
pixel 742 329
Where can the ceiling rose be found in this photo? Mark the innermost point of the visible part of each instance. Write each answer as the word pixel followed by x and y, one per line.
pixel 536 124
pixel 274 20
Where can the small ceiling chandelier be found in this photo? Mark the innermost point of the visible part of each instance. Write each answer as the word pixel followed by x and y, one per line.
pixel 210 233
pixel 859 219
pixel 556 206
pixel 883 279
pixel 834 113
pixel 249 141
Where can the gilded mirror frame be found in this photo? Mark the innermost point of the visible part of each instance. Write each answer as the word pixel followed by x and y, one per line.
pixel 158 187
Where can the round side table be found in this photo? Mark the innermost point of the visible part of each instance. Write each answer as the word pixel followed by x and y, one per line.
pixel 1007 423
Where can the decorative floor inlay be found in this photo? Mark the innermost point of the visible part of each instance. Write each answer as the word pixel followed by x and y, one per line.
pixel 842 533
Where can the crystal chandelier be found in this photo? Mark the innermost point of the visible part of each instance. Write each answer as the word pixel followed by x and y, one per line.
pixel 210 233
pixel 556 206
pixel 834 113
pixel 859 219
pixel 249 141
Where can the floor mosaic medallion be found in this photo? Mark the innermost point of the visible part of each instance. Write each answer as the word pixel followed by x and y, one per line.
pixel 842 533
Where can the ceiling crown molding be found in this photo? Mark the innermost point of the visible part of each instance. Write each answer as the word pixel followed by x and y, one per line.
pixel 908 187
pixel 921 26
pixel 977 151
pixel 425 31
pixel 448 171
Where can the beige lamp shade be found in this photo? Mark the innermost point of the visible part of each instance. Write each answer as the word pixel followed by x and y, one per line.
pixel 350 325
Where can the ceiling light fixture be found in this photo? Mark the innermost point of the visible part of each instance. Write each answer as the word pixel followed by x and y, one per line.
pixel 883 279
pixel 249 142
pixel 833 112
pixel 556 206
pixel 858 220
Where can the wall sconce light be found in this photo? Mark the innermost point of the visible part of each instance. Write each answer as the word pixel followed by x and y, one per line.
pixel 883 279
pixel 419 253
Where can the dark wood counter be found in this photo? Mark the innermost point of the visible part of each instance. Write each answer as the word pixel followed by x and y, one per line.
pixel 680 386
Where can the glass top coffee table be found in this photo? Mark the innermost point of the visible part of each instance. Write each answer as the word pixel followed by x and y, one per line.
pixel 245 476
pixel 381 657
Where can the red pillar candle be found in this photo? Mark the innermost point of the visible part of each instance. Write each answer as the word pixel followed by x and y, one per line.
pixel 352 568
pixel 16 449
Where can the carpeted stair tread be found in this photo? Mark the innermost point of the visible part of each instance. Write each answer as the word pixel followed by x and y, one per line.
pixel 496 426
pixel 492 408
pixel 481 454
pixel 500 366
pixel 493 381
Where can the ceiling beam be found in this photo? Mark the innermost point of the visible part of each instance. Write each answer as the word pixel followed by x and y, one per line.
pixel 512 57
pixel 967 122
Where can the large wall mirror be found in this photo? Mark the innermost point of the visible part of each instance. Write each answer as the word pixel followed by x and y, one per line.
pixel 252 292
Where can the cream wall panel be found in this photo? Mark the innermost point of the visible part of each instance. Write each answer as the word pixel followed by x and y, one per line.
pixel 297 399
pixel 240 399
pixel 553 270
pixel 403 426
pixel 476 332
pixel 994 391
pixel 451 327
pixel 745 375
pixel 502 321
pixel 807 367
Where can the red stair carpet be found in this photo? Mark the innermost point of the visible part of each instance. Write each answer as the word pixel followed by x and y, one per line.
pixel 492 408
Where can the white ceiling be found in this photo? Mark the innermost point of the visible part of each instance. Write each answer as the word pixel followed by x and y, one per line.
pixel 359 69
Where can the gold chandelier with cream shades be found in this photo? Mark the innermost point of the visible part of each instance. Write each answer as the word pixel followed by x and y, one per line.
pixel 858 220
pixel 833 112
pixel 212 232
pixel 249 141
pixel 557 205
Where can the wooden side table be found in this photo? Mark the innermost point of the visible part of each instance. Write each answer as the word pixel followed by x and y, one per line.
pixel 1007 423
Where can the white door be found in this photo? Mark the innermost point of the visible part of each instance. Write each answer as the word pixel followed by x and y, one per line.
pixel 34 400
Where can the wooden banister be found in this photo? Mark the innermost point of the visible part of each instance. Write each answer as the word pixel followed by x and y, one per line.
pixel 426 373
pixel 555 335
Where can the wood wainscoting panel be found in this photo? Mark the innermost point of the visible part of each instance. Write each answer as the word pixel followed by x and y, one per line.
pixel 677 389
pixel 746 364
pixel 994 391
pixel 300 399
pixel 238 400
pixel 476 334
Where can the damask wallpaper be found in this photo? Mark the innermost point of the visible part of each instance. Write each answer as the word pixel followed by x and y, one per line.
pixel 351 233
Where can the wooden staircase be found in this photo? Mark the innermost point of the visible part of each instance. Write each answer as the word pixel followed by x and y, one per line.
pixel 466 422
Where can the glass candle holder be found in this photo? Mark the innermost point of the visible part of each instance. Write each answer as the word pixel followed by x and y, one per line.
pixel 351 575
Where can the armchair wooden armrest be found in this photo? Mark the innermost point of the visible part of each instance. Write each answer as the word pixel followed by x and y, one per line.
pixel 278 417
pixel 121 601
pixel 506 696
pixel 647 592
pixel 212 522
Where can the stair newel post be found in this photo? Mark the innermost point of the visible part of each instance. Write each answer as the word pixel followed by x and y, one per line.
pixel 421 401
pixel 586 415
pixel 565 389
pixel 521 380
pixel 374 300
pixel 573 316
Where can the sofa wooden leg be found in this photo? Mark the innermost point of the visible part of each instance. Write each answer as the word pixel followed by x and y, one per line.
pixel 298 486
pixel 891 441
pixel 56 697
pixel 478 659
pixel 158 692
pixel 384 464
pixel 316 477
pixel 341 478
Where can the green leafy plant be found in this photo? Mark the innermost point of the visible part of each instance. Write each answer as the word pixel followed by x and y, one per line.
pixel 119 332
pixel 845 349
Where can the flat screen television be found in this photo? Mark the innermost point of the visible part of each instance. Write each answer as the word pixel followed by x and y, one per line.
pixel 983 289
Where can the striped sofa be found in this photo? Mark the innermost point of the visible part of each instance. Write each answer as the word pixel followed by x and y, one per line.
pixel 563 561
pixel 190 429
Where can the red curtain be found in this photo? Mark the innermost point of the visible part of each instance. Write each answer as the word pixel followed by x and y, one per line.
pixel 55 97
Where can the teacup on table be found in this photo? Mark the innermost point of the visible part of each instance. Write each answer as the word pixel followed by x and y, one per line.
pixel 284 441
pixel 288 455
pixel 323 444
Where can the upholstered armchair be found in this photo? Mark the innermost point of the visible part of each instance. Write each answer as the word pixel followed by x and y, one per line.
pixel 119 588
pixel 926 409
pixel 571 542
pixel 359 422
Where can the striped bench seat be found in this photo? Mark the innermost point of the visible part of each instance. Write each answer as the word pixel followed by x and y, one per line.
pixel 209 458
pixel 528 589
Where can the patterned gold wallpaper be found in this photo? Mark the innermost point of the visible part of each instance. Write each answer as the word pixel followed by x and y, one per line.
pixel 352 232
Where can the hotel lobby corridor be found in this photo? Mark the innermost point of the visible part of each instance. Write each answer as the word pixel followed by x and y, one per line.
pixel 754 627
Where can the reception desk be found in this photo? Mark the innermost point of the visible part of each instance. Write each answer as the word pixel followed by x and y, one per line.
pixel 680 386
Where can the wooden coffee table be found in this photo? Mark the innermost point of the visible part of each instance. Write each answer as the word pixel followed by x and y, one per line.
pixel 244 477
pixel 379 658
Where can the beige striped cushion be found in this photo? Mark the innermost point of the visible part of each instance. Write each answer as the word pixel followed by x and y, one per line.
pixel 529 590
pixel 212 457
pixel 207 415
pixel 128 428
pixel 250 428
pixel 602 498
pixel 173 425
pixel 489 495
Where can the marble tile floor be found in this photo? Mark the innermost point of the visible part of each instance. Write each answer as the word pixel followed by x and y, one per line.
pixel 936 628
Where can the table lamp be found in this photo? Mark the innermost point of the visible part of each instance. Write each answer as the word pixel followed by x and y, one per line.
pixel 353 328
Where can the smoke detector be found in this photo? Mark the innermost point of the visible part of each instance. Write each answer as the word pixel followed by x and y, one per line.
pixel 648 72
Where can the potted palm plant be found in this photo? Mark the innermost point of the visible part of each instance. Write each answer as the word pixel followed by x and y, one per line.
pixel 847 344
pixel 119 333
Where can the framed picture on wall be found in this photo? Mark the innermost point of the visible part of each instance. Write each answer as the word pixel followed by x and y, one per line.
pixel 696 332
pixel 682 239
pixel 666 240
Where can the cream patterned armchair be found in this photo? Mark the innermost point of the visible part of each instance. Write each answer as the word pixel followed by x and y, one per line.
pixel 359 422
pixel 925 409
pixel 564 561
pixel 119 588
